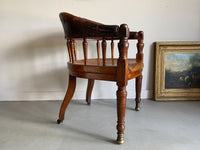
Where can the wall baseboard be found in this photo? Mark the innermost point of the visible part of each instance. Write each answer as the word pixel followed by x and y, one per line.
pixel 59 95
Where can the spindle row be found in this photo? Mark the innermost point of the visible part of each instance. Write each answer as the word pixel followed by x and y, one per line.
pixel 72 50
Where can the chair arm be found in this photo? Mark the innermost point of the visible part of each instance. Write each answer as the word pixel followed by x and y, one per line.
pixel 133 35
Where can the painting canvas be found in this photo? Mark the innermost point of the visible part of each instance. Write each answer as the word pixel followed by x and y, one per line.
pixel 182 70
pixel 177 71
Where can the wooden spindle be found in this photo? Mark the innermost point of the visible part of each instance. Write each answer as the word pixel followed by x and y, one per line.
pixel 75 51
pixel 72 46
pixel 112 49
pixel 85 46
pixel 98 49
pixel 69 50
pixel 104 51
pixel 140 45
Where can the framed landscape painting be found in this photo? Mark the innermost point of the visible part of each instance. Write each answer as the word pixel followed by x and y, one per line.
pixel 177 71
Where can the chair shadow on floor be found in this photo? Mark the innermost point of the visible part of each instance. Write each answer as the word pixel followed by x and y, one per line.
pixel 91 135
pixel 44 114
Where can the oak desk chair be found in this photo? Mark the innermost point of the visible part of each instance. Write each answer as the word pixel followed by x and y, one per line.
pixel 119 70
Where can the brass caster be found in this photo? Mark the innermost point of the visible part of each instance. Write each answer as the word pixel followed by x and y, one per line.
pixel 137 108
pixel 88 102
pixel 120 139
pixel 59 121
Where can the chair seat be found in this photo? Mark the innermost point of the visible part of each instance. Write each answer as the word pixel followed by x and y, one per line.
pixel 94 69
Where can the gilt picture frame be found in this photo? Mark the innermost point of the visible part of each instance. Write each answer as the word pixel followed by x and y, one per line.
pixel 177 71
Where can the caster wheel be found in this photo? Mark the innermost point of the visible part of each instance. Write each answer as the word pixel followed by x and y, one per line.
pixel 59 121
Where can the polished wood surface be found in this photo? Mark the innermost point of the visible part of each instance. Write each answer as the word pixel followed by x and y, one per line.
pixel 68 97
pixel 89 91
pixel 138 92
pixel 119 70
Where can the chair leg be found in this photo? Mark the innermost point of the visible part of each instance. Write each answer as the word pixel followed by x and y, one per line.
pixel 68 97
pixel 89 91
pixel 121 108
pixel 138 92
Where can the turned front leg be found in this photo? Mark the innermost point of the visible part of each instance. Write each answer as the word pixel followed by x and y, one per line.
pixel 121 108
pixel 122 78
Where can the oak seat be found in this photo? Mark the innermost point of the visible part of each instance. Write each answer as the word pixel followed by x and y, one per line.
pixel 94 69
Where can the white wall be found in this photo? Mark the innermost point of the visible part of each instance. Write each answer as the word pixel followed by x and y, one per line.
pixel 33 55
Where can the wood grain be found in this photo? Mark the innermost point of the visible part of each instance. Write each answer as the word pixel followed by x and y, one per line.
pixel 119 70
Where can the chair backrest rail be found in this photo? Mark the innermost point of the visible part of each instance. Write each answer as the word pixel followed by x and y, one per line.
pixel 82 29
